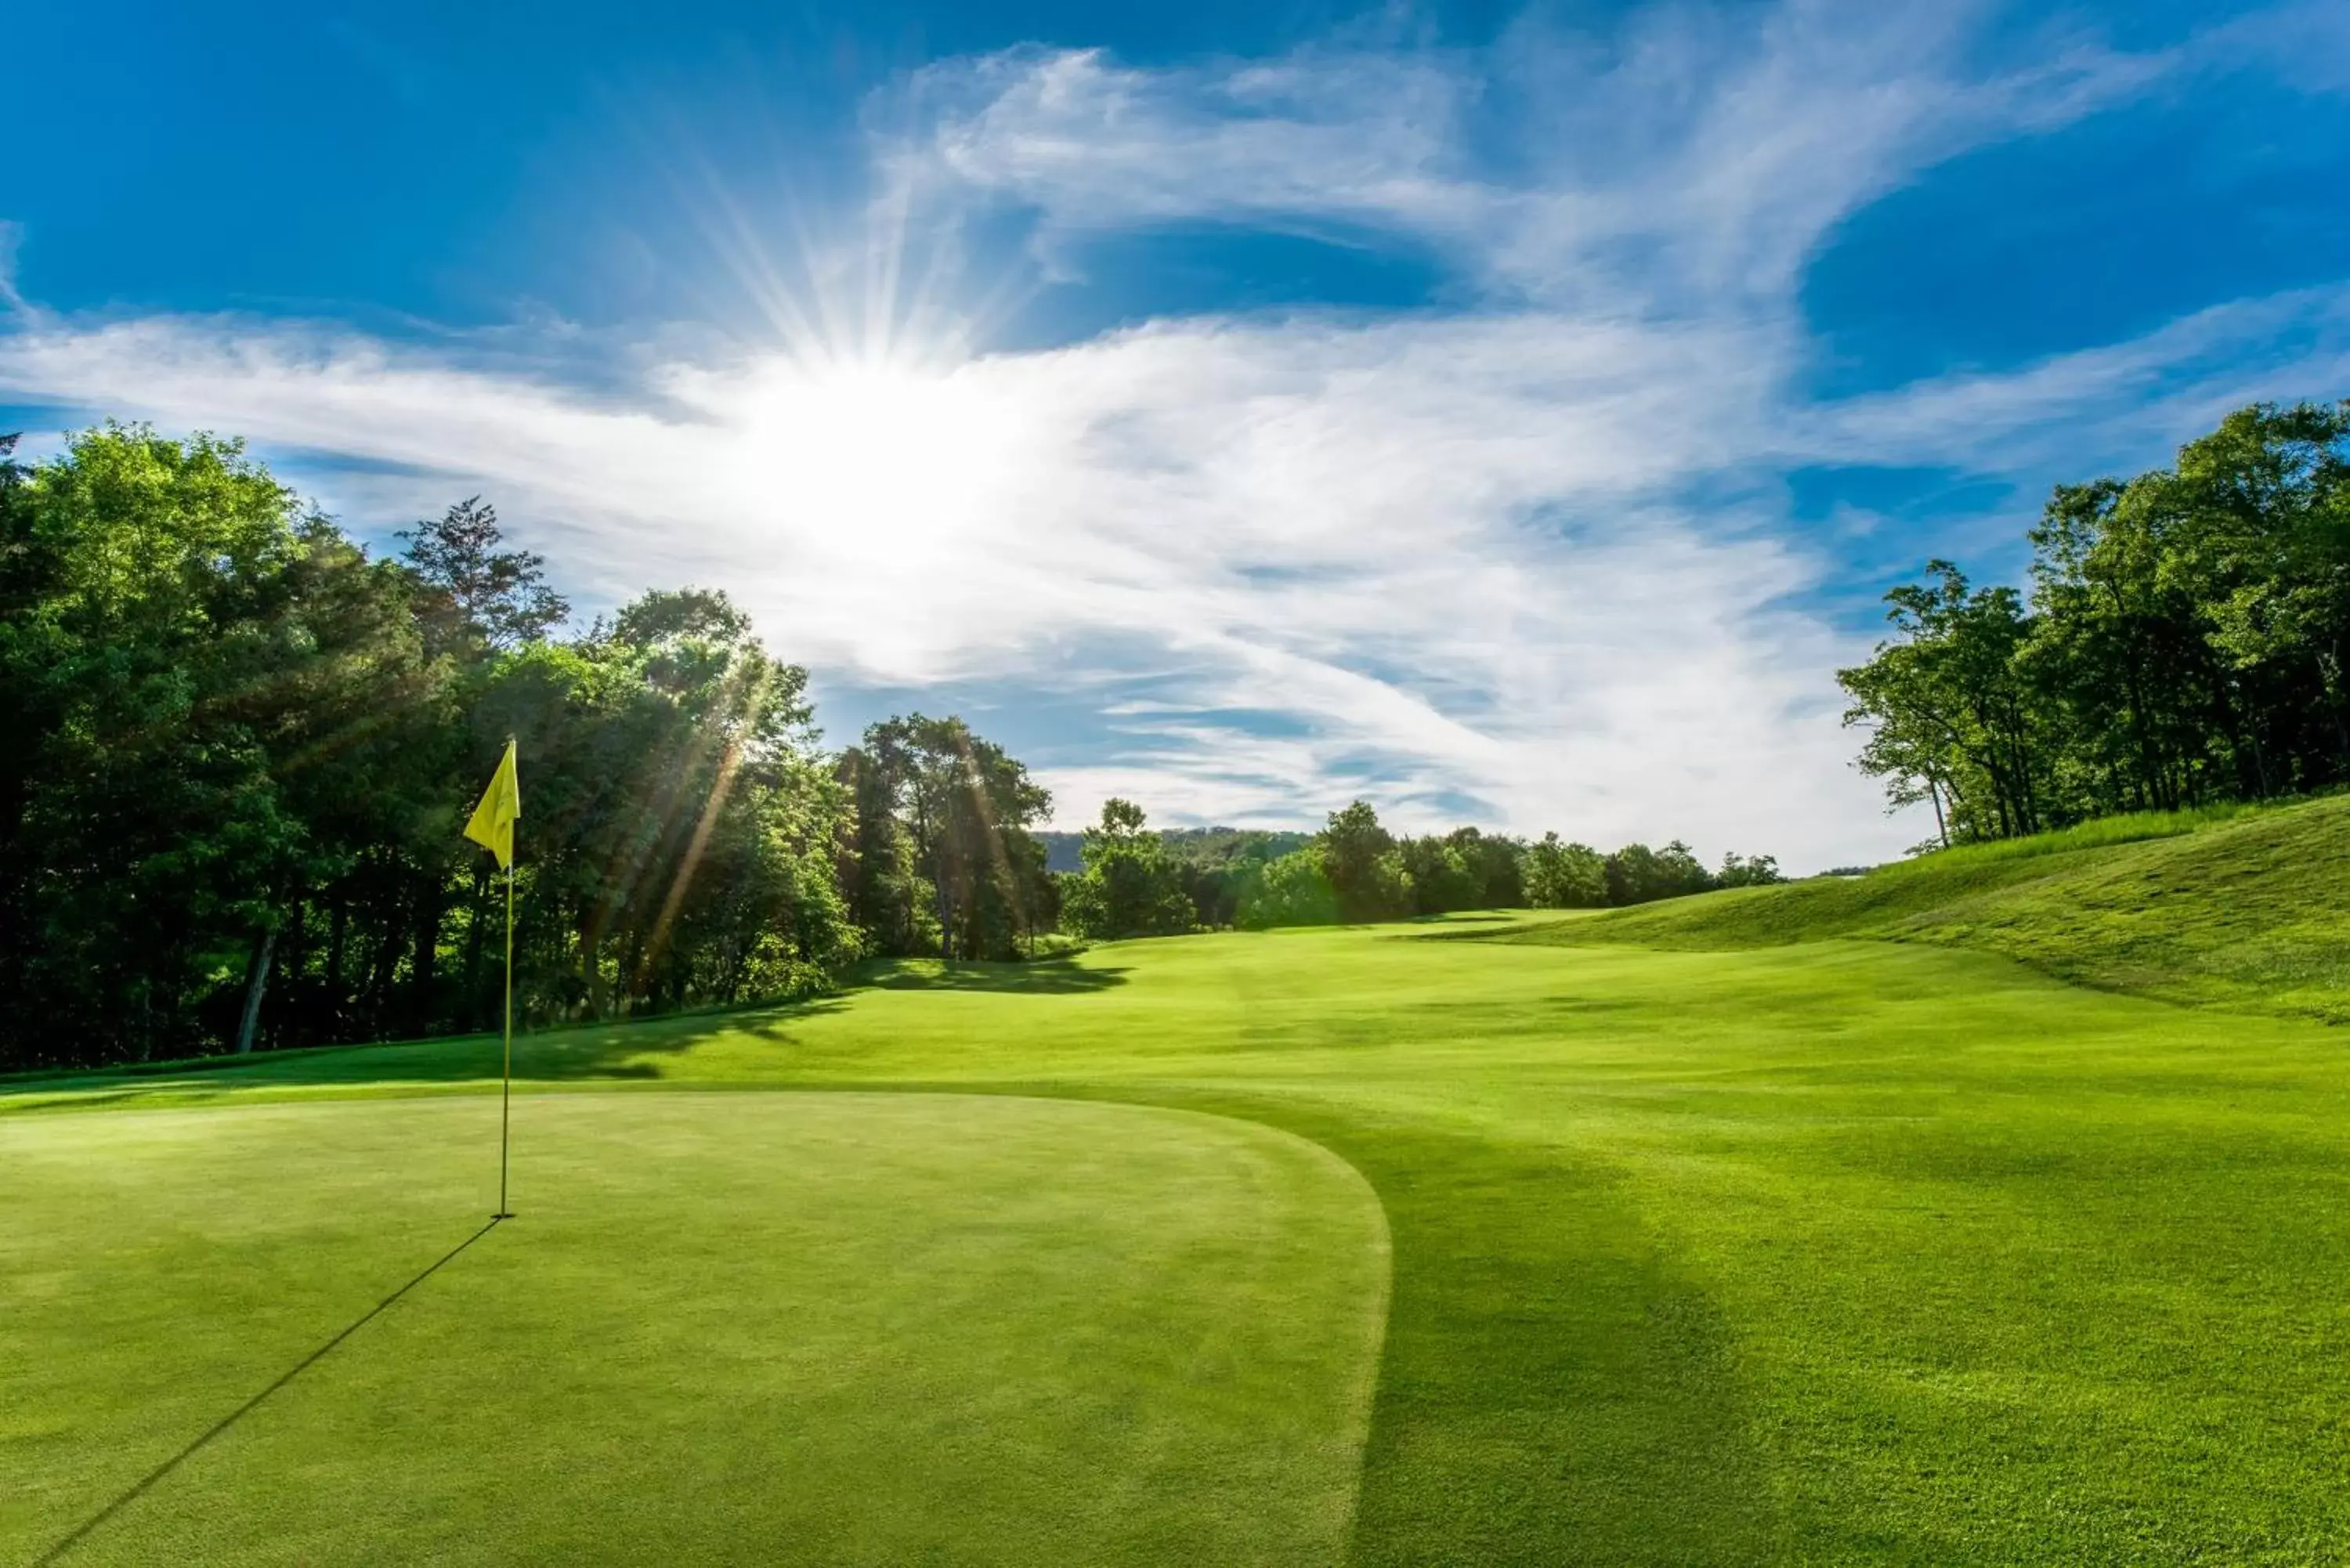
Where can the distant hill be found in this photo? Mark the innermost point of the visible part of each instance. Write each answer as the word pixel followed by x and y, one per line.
pixel 2248 907
pixel 1208 846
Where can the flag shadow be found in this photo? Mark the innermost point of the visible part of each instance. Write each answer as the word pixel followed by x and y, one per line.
pixel 147 1482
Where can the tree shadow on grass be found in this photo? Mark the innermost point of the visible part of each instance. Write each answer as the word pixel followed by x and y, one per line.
pixel 1552 1389
pixel 147 1482
pixel 621 1051
pixel 1044 977
pixel 1470 928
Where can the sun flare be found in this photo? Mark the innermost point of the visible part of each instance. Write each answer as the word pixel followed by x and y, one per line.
pixel 877 456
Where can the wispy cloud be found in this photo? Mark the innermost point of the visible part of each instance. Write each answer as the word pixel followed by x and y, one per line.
pixel 1692 163
pixel 1448 560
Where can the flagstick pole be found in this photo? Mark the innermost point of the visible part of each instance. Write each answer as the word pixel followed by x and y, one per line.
pixel 506 1091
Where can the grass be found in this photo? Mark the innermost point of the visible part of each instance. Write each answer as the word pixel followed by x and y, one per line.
pixel 715 1321
pixel 2245 908
pixel 2098 833
pixel 1828 1251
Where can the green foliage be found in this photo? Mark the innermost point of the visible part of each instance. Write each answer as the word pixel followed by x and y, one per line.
pixel 1217 865
pixel 1747 871
pixel 1359 859
pixel 1636 874
pixel 244 749
pixel 1293 891
pixel 174 635
pixel 1439 876
pixel 1565 876
pixel 942 858
pixel 2184 644
pixel 1356 871
pixel 1131 887
pixel 1219 845
pixel 472 592
pixel 1465 870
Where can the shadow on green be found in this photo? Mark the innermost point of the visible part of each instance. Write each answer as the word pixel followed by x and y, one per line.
pixel 1552 1390
pixel 618 1050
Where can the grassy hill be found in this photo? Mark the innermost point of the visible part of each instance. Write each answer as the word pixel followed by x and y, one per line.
pixel 2246 908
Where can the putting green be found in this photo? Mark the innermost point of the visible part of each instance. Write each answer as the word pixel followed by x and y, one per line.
pixel 832 1328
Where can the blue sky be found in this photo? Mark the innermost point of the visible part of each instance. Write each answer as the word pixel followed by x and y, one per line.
pixel 1509 414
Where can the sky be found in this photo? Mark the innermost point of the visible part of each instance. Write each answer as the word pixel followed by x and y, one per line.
pixel 1507 415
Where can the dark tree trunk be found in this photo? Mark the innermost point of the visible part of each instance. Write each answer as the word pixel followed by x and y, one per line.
pixel 591 968
pixel 338 930
pixel 633 982
pixel 478 904
pixel 256 980
pixel 424 960
pixel 293 960
pixel 385 966
pixel 946 916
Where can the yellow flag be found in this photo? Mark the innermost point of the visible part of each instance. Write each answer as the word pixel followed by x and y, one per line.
pixel 493 820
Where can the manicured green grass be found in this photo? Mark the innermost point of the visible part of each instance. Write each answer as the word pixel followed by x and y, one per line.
pixel 817 1329
pixel 1833 1252
pixel 2241 908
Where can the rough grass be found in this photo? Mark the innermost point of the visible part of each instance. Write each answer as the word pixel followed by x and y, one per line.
pixel 1840 1252
pixel 2246 908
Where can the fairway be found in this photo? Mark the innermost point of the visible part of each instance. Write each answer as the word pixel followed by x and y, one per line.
pixel 1834 1253
pixel 795 1328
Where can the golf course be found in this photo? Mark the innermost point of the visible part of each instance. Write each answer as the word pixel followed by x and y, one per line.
pixel 1533 783
pixel 1875 1220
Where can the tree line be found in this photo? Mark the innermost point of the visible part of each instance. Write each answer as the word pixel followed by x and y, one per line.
pixel 240 747
pixel 2182 642
pixel 1136 882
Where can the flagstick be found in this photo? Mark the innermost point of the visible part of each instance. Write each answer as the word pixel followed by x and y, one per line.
pixel 506 1092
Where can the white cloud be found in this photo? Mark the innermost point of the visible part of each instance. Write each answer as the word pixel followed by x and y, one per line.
pixel 1693 164
pixel 2103 406
pixel 1440 557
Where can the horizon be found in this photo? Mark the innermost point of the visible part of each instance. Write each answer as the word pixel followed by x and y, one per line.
pixel 1508 416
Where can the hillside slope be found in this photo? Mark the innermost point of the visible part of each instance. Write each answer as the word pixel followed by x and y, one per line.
pixel 2249 911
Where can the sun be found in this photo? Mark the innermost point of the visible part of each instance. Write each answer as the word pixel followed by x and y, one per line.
pixel 865 431
pixel 880 455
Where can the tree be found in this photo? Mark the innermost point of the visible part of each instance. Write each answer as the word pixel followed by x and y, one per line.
pixel 2265 559
pixel 962 807
pixel 1561 875
pixel 242 747
pixel 1439 877
pixel 1131 887
pixel 1496 866
pixel 1216 867
pixel 1953 712
pixel 183 647
pixel 1749 871
pixel 1289 890
pixel 2127 678
pixel 475 591
pixel 2185 643
pixel 1638 875
pixel 1364 873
